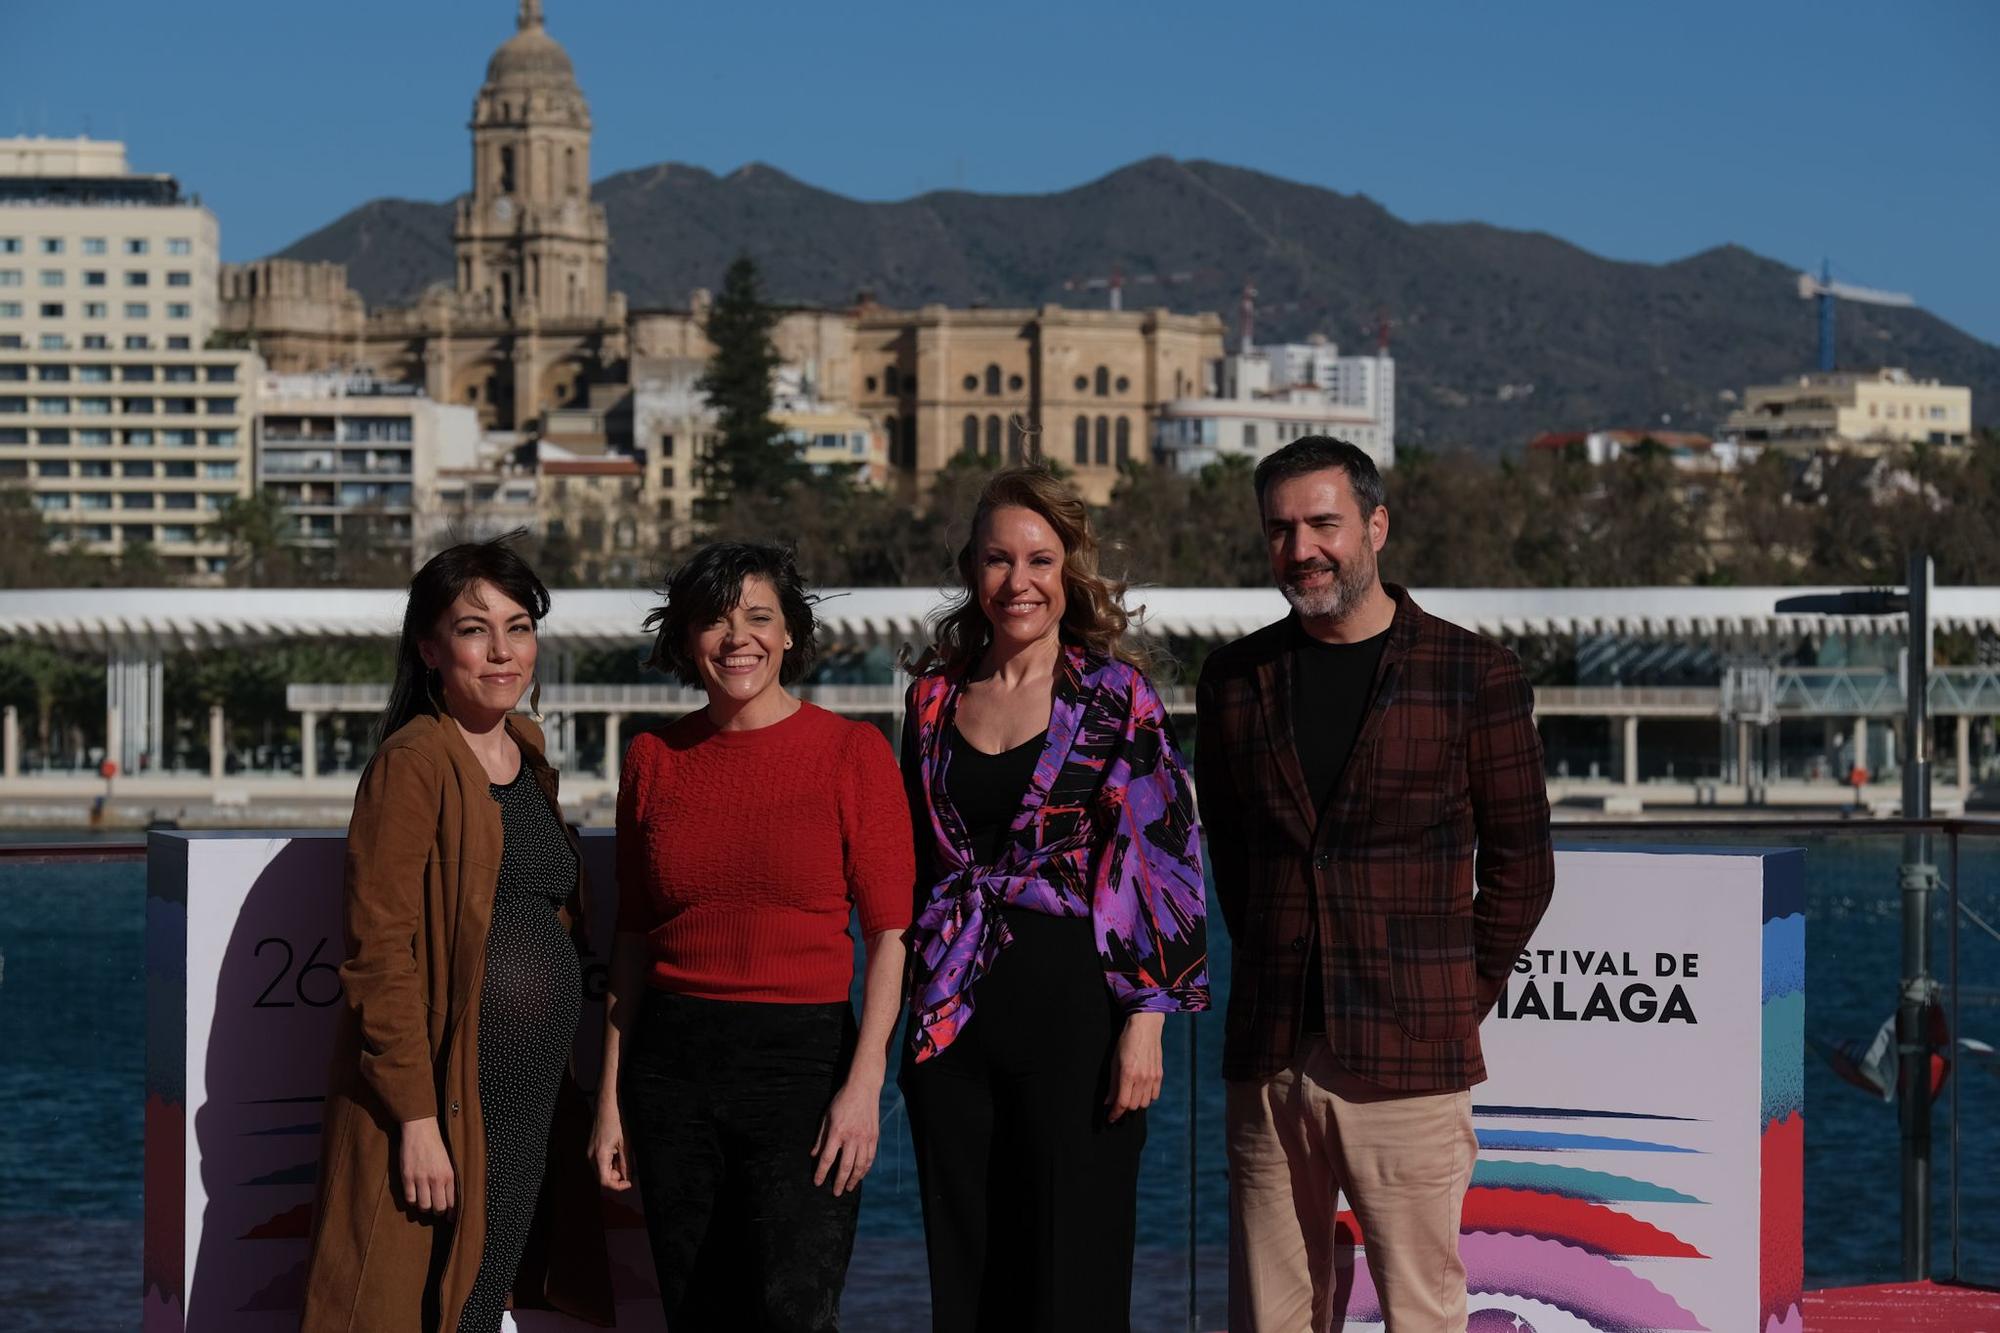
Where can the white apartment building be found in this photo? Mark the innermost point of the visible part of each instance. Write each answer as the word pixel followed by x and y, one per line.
pixel 354 455
pixel 672 427
pixel 1268 397
pixel 126 427
pixel 1866 412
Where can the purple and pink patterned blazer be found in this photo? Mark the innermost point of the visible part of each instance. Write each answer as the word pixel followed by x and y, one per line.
pixel 1106 831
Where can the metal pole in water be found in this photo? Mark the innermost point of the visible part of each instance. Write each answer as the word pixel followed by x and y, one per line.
pixel 1918 879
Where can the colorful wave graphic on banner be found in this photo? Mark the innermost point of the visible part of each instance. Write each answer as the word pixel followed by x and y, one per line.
pixel 1781 1148
pixel 1552 1248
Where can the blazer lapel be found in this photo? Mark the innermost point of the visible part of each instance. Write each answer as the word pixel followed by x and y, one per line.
pixel 1403 632
pixel 1274 694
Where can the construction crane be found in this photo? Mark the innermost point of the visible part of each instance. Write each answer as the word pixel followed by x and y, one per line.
pixel 1247 307
pixel 1826 291
pixel 1114 282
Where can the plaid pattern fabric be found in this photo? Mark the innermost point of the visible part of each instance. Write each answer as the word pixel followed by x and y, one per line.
pixel 1444 790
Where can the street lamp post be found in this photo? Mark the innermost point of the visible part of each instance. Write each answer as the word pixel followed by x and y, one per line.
pixel 1918 880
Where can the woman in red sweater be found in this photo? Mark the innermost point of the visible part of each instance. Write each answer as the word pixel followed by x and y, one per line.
pixel 737 1090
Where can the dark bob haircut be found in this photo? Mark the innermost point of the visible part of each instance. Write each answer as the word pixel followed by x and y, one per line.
pixel 1319 453
pixel 709 585
pixel 433 590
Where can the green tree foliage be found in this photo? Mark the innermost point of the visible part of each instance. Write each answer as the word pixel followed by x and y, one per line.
pixel 257 528
pixel 750 456
pixel 59 698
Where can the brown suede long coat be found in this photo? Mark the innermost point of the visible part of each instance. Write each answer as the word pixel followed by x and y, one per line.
pixel 423 860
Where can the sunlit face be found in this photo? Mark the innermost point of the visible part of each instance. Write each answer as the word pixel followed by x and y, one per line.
pixel 483 650
pixel 741 654
pixel 1017 565
pixel 1322 547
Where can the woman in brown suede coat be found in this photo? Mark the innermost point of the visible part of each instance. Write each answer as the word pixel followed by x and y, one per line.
pixel 435 1210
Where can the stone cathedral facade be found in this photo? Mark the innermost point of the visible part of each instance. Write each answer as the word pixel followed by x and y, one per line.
pixel 528 322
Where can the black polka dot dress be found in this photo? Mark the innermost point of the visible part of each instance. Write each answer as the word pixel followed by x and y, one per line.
pixel 527 1021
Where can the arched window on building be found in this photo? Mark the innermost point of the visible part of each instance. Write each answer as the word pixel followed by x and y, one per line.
pixel 993 381
pixel 971 434
pixel 569 170
pixel 1124 440
pixel 1103 441
pixel 993 437
pixel 1083 441
pixel 506 170
pixel 1016 440
pixel 1103 381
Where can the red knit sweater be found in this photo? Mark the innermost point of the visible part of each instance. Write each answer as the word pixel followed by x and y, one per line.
pixel 741 853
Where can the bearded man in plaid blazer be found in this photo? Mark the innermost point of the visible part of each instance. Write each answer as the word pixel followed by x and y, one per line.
pixel 1361 767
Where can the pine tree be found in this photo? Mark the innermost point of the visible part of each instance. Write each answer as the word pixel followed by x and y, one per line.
pixel 750 456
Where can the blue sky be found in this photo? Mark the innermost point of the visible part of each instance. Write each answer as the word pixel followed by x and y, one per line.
pixel 1867 133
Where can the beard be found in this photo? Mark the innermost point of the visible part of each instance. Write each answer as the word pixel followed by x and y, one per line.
pixel 1349 586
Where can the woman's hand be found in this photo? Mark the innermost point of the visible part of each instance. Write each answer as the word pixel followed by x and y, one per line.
pixel 607 1147
pixel 429 1185
pixel 1137 1069
pixel 850 1131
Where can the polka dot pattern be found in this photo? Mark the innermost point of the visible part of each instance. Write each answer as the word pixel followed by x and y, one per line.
pixel 527 1020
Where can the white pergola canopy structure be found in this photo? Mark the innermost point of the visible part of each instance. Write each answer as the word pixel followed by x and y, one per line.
pixel 148 622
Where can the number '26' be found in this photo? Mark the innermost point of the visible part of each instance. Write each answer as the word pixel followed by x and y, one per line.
pixel 317 993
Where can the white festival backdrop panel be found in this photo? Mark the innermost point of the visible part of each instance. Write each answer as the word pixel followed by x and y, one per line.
pixel 1640 1132
pixel 243 943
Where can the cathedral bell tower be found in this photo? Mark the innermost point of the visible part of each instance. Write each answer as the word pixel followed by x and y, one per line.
pixel 530 245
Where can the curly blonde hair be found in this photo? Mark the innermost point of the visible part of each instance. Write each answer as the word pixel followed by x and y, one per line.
pixel 1094 617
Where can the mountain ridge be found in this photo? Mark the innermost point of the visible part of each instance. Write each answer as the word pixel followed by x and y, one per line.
pixel 1499 333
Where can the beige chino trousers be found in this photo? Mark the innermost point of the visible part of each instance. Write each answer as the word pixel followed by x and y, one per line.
pixel 1299 1139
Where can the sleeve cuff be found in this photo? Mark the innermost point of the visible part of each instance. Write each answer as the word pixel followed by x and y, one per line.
pixel 1165 1000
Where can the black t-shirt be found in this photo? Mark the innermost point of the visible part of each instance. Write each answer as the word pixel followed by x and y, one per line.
pixel 987 789
pixel 1332 684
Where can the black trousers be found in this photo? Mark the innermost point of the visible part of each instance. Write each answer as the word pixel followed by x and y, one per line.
pixel 722 1100
pixel 1030 1195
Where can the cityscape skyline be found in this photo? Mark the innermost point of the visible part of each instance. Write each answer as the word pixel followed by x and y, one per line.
pixel 1499 131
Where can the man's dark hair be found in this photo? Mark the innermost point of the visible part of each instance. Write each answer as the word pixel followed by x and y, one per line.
pixel 709 585
pixel 1318 453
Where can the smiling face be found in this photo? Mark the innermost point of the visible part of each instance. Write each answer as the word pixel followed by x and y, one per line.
pixel 1017 568
pixel 1322 547
pixel 741 654
pixel 483 650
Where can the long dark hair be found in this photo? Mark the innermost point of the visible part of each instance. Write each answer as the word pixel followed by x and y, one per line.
pixel 709 585
pixel 436 586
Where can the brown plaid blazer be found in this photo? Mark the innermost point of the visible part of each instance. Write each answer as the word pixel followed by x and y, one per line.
pixel 1444 789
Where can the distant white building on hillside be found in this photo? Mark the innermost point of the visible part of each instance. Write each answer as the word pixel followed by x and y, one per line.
pixel 1270 396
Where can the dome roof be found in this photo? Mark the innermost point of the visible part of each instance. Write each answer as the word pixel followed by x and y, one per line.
pixel 530 58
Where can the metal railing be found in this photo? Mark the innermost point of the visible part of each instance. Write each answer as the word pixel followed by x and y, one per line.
pixel 1851 962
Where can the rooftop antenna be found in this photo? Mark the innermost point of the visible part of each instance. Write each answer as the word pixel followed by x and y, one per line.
pixel 1247 311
